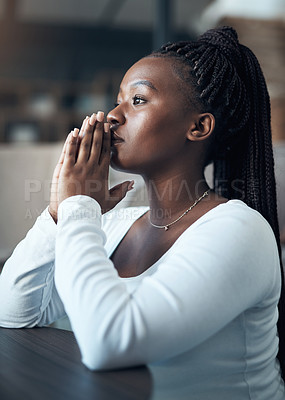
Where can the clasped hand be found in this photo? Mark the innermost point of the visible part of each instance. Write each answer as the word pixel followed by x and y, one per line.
pixel 83 167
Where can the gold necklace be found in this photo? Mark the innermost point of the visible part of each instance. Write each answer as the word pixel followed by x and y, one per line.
pixel 166 227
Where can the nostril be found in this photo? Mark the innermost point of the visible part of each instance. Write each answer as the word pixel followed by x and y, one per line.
pixel 112 119
pixel 115 118
pixel 114 125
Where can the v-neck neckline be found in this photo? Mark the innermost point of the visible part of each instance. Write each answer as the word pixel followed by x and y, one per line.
pixel 144 210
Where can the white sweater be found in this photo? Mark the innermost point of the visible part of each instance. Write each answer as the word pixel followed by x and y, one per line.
pixel 203 316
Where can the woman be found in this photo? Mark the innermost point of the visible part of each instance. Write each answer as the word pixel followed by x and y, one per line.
pixel 190 284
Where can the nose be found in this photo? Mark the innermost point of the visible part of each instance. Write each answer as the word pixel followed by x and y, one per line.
pixel 115 116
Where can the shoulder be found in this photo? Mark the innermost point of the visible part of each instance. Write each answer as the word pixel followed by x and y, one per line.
pixel 238 233
pixel 235 214
pixel 234 243
pixel 236 220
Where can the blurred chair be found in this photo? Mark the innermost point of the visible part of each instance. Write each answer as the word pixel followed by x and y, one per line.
pixel 25 176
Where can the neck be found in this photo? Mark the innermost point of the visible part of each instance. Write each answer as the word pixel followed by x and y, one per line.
pixel 170 196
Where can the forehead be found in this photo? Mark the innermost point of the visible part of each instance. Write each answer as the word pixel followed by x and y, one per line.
pixel 158 71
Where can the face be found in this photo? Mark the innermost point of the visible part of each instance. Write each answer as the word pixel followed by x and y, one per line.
pixel 151 118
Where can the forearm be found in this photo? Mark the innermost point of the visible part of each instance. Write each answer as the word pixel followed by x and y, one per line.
pixel 27 292
pixel 115 329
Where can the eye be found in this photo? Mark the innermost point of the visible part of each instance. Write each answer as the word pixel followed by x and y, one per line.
pixel 137 100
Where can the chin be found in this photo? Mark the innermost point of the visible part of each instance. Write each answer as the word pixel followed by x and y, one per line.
pixel 119 166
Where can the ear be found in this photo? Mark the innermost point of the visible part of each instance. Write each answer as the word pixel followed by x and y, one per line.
pixel 201 127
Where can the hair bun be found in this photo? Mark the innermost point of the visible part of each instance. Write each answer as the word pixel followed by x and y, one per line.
pixel 226 40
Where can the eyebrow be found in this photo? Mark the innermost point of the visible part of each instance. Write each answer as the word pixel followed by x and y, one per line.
pixel 144 82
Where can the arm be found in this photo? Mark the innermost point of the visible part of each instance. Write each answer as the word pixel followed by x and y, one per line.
pixel 28 296
pixel 192 295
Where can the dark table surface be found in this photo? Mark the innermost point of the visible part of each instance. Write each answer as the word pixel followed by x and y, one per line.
pixel 44 363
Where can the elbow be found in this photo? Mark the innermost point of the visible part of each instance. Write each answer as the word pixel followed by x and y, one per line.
pixel 93 365
pixel 101 358
pixel 16 320
pixel 13 324
pixel 113 342
pixel 98 362
pixel 107 354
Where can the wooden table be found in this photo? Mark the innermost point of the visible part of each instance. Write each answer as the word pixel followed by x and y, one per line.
pixel 44 363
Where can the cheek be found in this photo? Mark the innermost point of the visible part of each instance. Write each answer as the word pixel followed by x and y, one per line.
pixel 163 134
pixel 149 141
pixel 150 128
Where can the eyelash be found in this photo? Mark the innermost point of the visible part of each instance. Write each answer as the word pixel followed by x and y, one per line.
pixel 138 98
pixel 134 100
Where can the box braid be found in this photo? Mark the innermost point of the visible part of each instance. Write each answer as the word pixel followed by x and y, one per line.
pixel 228 82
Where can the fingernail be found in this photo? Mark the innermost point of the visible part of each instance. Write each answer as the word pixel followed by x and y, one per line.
pixel 131 185
pixel 75 132
pixel 81 133
pixel 106 127
pixel 86 123
pixel 100 116
pixel 92 119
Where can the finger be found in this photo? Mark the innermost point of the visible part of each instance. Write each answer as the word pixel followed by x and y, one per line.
pixel 86 142
pixel 127 185
pixel 61 157
pixel 93 119
pixel 70 153
pixel 97 139
pixel 118 192
pixel 106 147
pixel 58 166
pixel 82 129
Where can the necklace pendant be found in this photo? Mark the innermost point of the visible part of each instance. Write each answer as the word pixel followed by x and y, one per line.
pixel 166 227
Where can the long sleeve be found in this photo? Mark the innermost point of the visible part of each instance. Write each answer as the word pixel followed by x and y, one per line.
pixel 28 296
pixel 215 273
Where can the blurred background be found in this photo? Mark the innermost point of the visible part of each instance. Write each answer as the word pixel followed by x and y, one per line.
pixel 61 60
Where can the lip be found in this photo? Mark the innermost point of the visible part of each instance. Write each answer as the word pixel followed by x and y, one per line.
pixel 115 139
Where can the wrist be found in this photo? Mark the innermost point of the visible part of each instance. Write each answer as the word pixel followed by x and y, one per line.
pixel 53 214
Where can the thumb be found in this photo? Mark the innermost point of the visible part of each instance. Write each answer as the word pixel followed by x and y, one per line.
pixel 118 192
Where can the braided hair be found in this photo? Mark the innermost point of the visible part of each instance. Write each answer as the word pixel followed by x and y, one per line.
pixel 228 82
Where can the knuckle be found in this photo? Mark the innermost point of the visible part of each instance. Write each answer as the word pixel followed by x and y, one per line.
pixel 97 144
pixel 85 145
pixel 79 170
pixel 99 125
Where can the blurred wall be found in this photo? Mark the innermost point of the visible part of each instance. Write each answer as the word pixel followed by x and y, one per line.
pixel 62 60
pixel 261 26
